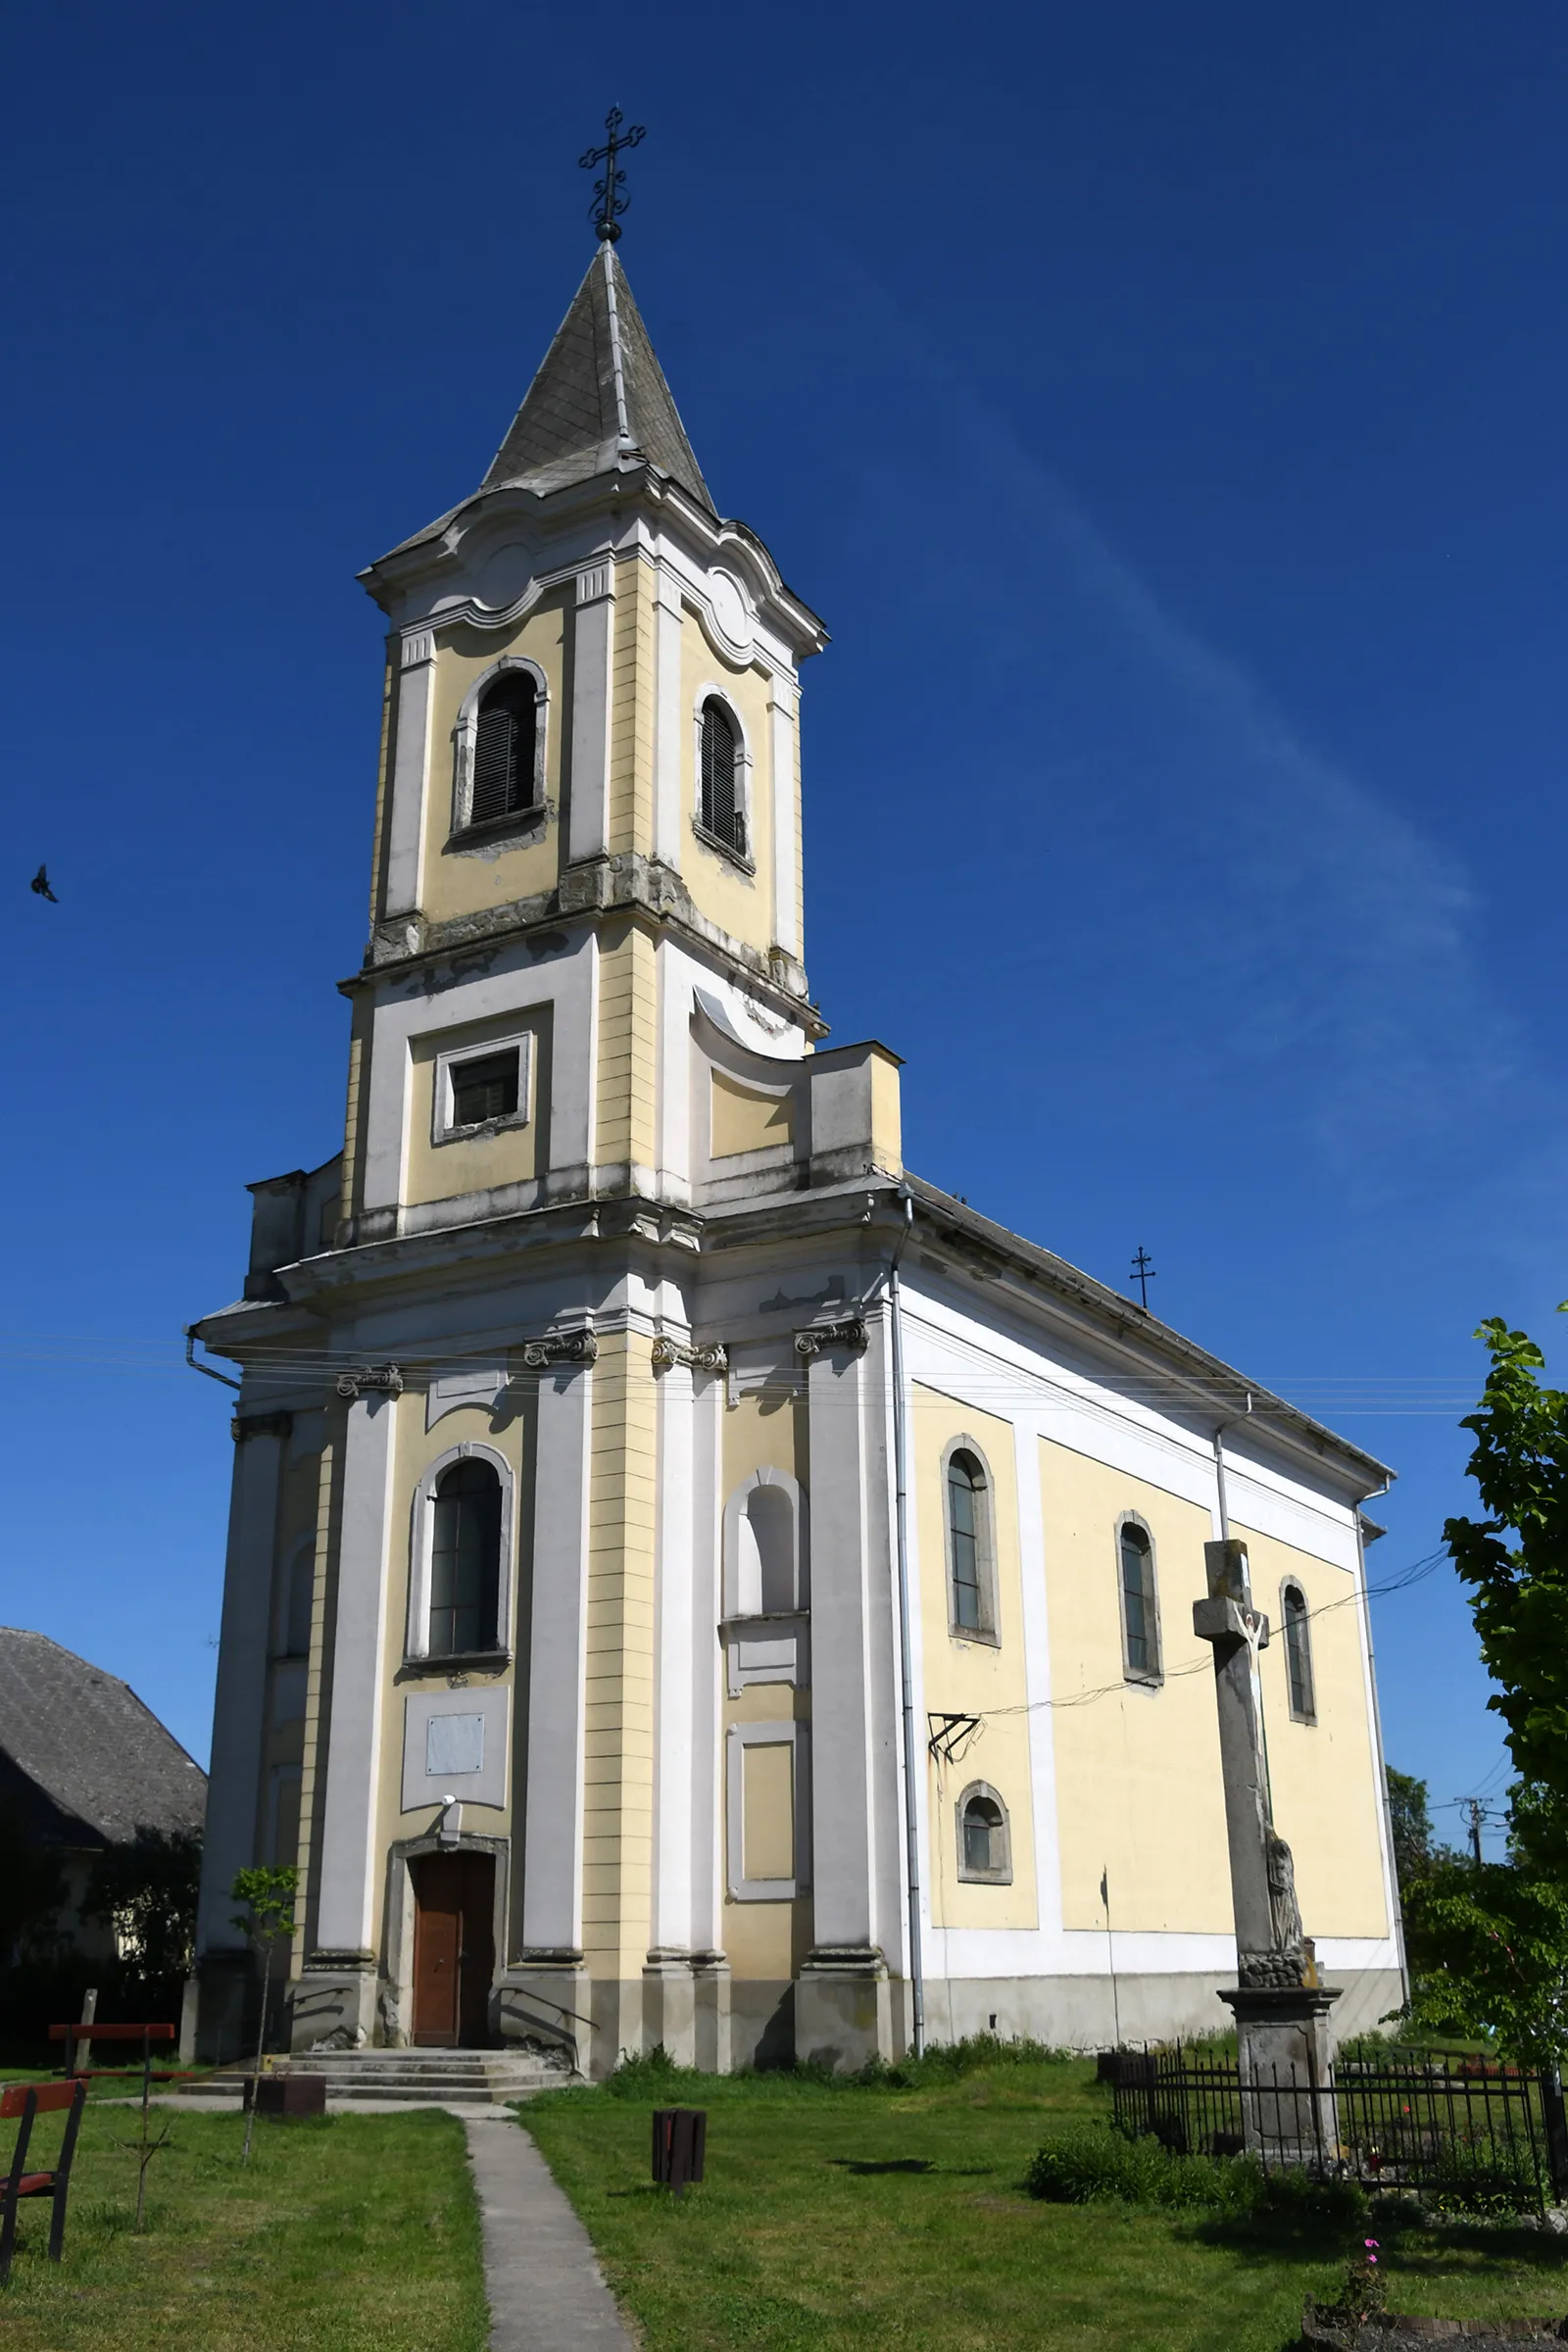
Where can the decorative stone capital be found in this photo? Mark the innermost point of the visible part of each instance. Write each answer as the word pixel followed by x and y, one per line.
pixel 560 1347
pixel 850 1332
pixel 668 1353
pixel 372 1380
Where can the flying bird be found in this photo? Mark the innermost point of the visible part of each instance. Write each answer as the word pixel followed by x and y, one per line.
pixel 40 883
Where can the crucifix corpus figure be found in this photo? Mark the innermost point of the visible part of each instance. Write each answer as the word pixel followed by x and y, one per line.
pixel 1281 2011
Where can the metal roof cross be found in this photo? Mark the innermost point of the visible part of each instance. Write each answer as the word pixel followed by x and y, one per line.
pixel 609 203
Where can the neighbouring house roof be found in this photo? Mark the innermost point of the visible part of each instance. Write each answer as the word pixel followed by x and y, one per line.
pixel 102 1761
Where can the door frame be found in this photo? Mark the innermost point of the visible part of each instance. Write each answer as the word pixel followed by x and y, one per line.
pixel 395 2006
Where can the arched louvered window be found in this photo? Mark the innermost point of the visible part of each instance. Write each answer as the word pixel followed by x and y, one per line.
pixel 969 1529
pixel 722 813
pixel 505 741
pixel 465 1561
pixel 1139 1621
pixel 985 1842
pixel 1298 1653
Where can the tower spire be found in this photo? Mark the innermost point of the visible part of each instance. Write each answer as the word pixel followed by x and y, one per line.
pixel 609 203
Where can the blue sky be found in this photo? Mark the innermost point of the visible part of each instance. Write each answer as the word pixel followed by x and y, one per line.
pixel 1164 408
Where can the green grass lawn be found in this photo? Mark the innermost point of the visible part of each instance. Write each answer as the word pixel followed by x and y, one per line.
pixel 846 2219
pixel 348 2233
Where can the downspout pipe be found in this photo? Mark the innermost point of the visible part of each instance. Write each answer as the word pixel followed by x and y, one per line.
pixel 901 1521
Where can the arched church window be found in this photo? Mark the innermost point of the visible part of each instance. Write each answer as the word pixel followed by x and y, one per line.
pixel 1298 1653
pixel 985 1842
pixel 1139 1621
pixel 504 747
pixel 970 1608
pixel 465 1561
pixel 723 814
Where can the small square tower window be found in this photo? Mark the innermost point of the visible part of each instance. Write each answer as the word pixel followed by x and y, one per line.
pixel 485 1086
pixel 486 1089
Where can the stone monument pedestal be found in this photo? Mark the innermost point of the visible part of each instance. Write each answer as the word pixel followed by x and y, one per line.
pixel 1283 2054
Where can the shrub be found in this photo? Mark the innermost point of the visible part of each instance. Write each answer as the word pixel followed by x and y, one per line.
pixel 1095 2163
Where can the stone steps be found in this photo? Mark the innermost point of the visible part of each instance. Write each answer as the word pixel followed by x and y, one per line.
pixel 430 2078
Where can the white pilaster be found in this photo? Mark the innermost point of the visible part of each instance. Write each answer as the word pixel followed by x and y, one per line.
pixel 840 1664
pixel 674 1791
pixel 411 772
pixel 552 1896
pixel 239 1710
pixel 593 650
pixel 350 1862
pixel 669 719
pixel 786 819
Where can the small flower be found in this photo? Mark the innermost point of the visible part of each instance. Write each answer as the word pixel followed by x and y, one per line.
pixel 1371 2244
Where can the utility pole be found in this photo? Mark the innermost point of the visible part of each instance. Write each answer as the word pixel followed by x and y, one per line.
pixel 1477 1814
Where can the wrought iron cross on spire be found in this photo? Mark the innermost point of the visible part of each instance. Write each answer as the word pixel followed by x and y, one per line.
pixel 1143 1272
pixel 609 203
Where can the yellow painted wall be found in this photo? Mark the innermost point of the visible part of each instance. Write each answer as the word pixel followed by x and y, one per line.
pixel 765 1432
pixel 519 865
pixel 628 1063
pixel 1322 1775
pixel 619 1741
pixel 740 904
pixel 973 1676
pixel 472 1163
pixel 743 1120
pixel 1138 1777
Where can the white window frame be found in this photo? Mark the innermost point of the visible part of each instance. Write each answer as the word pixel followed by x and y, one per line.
pixel 443 1127
pixel 742 1736
pixel 1141 1678
pixel 421 1543
pixel 1003 1875
pixel 1294 1584
pixel 990 1633
pixel 465 740
pixel 715 692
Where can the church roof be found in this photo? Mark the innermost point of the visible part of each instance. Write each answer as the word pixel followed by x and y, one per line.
pixel 89 1746
pixel 599 397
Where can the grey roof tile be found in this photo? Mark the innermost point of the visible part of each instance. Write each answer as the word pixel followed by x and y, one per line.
pixel 600 396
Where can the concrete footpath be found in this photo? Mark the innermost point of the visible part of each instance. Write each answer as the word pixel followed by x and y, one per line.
pixel 540 2271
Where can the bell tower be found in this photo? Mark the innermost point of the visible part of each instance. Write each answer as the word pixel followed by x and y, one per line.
pixel 591 751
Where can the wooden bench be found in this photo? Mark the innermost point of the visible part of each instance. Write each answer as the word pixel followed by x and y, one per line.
pixel 29 2100
pixel 145 2034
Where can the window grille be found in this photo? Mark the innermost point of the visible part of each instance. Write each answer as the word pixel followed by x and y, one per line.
pixel 465 1561
pixel 722 815
pixel 965 1488
pixel 1139 1632
pixel 1298 1653
pixel 504 750
pixel 485 1088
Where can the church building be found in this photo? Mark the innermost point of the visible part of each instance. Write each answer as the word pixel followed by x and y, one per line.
pixel 689 1581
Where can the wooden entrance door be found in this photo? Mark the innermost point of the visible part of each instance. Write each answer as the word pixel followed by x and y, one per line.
pixel 454 1949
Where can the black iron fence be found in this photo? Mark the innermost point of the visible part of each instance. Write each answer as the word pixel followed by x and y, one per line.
pixel 1472 2131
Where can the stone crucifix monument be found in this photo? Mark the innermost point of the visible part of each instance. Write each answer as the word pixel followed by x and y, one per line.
pixel 1282 2013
